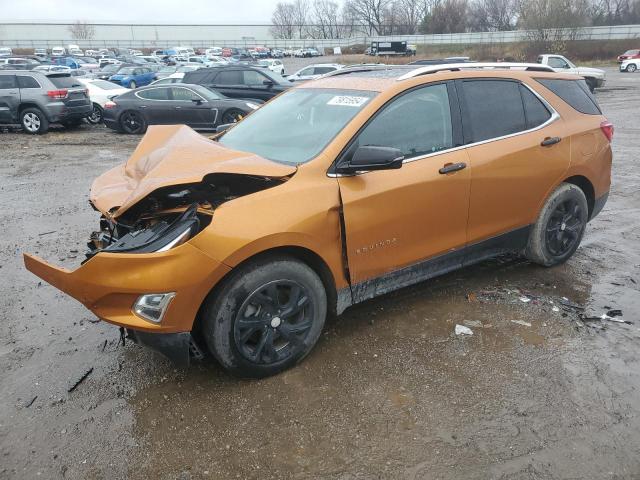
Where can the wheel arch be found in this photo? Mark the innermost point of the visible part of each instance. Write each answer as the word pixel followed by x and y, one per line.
pixel 25 105
pixel 584 184
pixel 302 254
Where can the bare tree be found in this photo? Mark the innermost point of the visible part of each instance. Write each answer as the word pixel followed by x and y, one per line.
pixel 81 30
pixel 301 16
pixel 447 16
pixel 284 21
pixel 550 21
pixel 615 12
pixel 326 19
pixel 493 15
pixel 409 14
pixel 369 14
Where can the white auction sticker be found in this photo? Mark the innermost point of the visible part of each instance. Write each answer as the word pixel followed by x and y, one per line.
pixel 348 101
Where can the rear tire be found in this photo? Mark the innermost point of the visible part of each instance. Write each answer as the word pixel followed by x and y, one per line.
pixel 266 317
pixel 96 115
pixel 560 227
pixel 34 121
pixel 132 85
pixel 132 122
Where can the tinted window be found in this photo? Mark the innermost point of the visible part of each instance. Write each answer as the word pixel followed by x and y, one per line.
pixel 7 81
pixel 65 82
pixel 184 94
pixel 575 93
pixel 306 72
pixel 251 77
pixel 417 123
pixel 27 82
pixel 229 77
pixel 154 94
pixel 322 70
pixel 555 62
pixel 493 109
pixel 535 111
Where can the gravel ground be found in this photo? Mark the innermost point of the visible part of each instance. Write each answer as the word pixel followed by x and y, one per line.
pixel 389 392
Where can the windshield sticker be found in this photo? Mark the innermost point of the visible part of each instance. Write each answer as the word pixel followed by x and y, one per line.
pixel 348 101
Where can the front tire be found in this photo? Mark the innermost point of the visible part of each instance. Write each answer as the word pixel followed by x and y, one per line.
pixel 266 317
pixel 560 227
pixel 631 68
pixel 132 85
pixel 34 121
pixel 233 115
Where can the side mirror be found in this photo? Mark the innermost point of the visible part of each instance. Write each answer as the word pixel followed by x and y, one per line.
pixel 268 83
pixel 371 157
pixel 197 101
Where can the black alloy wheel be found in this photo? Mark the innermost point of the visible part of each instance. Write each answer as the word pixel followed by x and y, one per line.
pixel 232 116
pixel 132 122
pixel 564 227
pixel 273 323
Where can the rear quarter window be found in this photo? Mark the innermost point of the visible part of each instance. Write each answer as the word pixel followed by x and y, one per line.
pixel 574 92
pixel 27 82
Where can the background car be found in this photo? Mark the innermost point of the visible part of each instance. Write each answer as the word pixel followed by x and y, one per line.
pixel 311 72
pixel 35 99
pixel 110 69
pixel 630 65
pixel 240 81
pixel 629 55
pixel 5 52
pixel 133 77
pixel 100 92
pixel 173 78
pixel 75 63
pixel 19 63
pixel 192 105
pixel 273 65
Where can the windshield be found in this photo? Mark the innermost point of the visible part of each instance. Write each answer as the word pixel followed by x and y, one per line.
pixel 632 52
pixel 111 68
pixel 296 126
pixel 126 71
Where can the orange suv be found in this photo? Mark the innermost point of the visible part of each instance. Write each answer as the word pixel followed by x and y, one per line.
pixel 351 186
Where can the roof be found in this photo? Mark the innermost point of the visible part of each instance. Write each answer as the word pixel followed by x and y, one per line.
pixel 381 77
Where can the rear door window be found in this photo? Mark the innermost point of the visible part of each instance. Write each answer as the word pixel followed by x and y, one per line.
pixel 322 70
pixel 535 111
pixel 229 77
pixel 575 92
pixel 251 77
pixel 493 109
pixel 7 81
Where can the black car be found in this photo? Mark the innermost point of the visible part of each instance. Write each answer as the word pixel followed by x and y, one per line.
pixel 240 81
pixel 178 103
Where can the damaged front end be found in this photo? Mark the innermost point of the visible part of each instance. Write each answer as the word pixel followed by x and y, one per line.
pixel 141 272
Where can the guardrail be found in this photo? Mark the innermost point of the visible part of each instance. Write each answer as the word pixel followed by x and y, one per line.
pixel 134 36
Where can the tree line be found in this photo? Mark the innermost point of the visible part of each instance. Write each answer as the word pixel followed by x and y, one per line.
pixel 330 19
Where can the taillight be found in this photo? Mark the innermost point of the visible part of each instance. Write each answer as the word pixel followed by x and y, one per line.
pixel 110 104
pixel 58 94
pixel 607 128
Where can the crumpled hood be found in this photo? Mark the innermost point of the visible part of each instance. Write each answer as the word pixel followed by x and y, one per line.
pixel 174 155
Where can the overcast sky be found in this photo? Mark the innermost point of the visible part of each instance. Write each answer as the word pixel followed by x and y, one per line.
pixel 138 11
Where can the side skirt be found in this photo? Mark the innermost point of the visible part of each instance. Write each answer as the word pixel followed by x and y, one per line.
pixel 514 241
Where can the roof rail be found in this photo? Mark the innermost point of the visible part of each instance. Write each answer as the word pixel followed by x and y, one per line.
pixel 530 67
pixel 361 68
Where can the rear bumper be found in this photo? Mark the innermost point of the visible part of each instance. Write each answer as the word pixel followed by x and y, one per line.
pixel 60 113
pixel 110 283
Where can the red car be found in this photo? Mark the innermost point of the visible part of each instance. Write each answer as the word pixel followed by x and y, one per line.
pixel 629 54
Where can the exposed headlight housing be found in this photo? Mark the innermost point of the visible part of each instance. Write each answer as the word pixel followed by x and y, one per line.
pixel 153 306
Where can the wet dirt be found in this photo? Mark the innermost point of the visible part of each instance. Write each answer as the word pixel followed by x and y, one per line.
pixel 389 392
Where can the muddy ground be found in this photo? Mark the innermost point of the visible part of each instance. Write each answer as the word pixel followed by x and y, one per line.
pixel 389 392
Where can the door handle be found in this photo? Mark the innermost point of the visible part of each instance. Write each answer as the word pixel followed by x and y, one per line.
pixel 452 167
pixel 178 108
pixel 547 142
pixel 143 106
